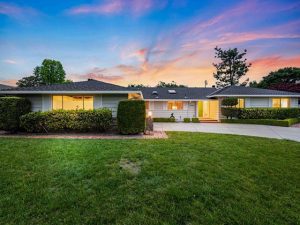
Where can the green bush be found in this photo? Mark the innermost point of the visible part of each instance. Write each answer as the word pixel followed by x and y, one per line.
pixel 195 120
pixel 269 113
pixel 186 120
pixel 230 112
pixel 11 108
pixel 293 121
pixel 271 122
pixel 67 120
pixel 131 116
pixel 166 120
pixel 230 102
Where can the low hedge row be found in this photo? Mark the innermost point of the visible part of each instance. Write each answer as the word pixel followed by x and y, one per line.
pixel 271 122
pixel 67 120
pixel 261 113
pixel 131 116
pixel 164 120
pixel 193 120
pixel 11 108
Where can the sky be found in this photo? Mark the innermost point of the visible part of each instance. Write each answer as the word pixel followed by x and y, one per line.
pixel 146 41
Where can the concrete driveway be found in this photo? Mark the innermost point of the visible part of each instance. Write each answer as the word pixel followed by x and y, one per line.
pixel 289 133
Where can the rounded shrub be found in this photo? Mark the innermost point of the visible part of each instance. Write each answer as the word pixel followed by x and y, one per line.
pixel 11 109
pixel 131 116
pixel 187 120
pixel 195 120
pixel 229 102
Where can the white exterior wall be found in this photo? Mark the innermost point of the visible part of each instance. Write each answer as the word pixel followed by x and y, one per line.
pixel 159 109
pixel 111 102
pixel 258 102
pixel 294 103
pixel 36 102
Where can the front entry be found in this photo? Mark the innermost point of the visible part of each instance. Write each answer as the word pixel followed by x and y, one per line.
pixel 208 109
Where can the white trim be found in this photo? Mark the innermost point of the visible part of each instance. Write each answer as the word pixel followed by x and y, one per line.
pixel 69 92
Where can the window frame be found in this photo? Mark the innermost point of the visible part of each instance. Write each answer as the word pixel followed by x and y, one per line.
pixel 175 103
pixel 280 102
pixel 62 101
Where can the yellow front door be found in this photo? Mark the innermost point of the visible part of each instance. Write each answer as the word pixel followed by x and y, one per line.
pixel 208 109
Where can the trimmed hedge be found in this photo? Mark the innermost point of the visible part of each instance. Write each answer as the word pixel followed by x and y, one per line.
pixel 261 113
pixel 271 122
pixel 131 116
pixel 11 108
pixel 230 112
pixel 186 120
pixel 67 120
pixel 164 120
pixel 195 120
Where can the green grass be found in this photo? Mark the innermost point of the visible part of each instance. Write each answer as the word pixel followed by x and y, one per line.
pixel 190 178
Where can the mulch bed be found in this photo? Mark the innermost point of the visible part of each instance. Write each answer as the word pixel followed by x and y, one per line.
pixel 153 135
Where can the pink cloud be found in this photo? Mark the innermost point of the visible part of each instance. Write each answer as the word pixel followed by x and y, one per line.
pixel 135 7
pixel 16 12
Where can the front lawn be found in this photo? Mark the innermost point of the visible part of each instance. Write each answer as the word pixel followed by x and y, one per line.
pixel 190 178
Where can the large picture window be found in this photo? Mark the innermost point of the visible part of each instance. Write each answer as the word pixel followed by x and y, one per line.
pixel 175 105
pixel 75 102
pixel 280 102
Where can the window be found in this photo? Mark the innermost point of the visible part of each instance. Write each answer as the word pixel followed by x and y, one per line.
pixel 134 96
pixel 175 105
pixel 280 102
pixel 72 102
pixel 241 103
pixel 285 103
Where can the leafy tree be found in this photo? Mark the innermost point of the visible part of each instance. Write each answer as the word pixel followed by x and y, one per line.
pixel 288 75
pixel 31 81
pixel 173 84
pixel 52 72
pixel 231 68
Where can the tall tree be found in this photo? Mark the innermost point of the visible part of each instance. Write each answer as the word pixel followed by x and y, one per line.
pixel 287 75
pixel 232 67
pixel 173 84
pixel 52 72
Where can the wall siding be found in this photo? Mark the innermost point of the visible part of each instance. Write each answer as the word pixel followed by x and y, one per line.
pixel 36 102
pixel 112 101
pixel 258 102
pixel 294 103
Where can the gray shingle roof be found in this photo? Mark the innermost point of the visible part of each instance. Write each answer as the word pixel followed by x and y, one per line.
pixel 3 87
pixel 249 91
pixel 90 85
pixel 181 93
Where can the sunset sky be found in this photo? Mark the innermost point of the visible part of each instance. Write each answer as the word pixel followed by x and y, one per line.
pixel 146 41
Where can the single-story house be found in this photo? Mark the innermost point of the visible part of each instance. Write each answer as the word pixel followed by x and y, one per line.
pixel 204 103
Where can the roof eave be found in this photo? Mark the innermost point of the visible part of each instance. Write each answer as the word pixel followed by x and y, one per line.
pixel 69 92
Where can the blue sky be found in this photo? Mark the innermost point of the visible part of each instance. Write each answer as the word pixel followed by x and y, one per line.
pixel 145 41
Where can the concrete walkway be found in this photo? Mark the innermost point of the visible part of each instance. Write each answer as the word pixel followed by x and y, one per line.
pixel 289 133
